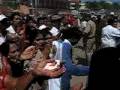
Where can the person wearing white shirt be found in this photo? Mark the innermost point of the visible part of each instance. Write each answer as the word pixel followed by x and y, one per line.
pixel 62 50
pixel 110 34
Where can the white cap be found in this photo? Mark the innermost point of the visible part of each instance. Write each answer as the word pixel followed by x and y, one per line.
pixel 112 13
pixel 93 16
pixel 54 31
pixel 42 27
pixel 2 17
pixel 10 29
pixel 2 40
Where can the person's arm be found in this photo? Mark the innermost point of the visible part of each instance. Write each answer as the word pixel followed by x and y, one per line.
pixel 116 33
pixel 87 29
pixel 72 68
pixel 77 70
pixel 20 83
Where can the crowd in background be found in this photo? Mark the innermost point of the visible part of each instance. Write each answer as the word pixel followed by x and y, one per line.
pixel 36 52
pixel 29 52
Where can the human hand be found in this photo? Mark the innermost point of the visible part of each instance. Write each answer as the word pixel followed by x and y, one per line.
pixel 51 66
pixel 55 73
pixel 28 53
pixel 39 69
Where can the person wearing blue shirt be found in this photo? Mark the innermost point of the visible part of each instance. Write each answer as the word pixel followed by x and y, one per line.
pixel 64 53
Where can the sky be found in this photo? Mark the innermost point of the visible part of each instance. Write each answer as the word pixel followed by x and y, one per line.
pixel 102 0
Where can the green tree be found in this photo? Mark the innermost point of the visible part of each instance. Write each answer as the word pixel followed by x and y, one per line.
pixel 116 6
pixel 99 5
pixel 11 4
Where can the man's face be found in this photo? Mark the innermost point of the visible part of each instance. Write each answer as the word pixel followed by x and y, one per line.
pixel 16 19
pixel 115 24
pixel 32 24
pixel 21 31
pixel 13 52
pixel 41 41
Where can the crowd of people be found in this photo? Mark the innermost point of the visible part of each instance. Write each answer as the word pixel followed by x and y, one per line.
pixel 104 60
pixel 36 53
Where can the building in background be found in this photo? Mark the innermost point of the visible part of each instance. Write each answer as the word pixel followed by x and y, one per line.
pixel 75 1
pixel 51 4
pixel 42 6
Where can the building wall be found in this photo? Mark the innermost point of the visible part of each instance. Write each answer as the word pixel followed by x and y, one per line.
pixel 51 4
pixel 75 1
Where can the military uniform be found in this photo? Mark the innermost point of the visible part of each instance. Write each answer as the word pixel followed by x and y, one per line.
pixel 89 39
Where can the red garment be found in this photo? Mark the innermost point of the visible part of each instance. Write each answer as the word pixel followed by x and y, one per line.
pixel 3 72
pixel 71 20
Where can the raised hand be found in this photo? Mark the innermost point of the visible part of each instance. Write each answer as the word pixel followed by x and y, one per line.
pixel 39 69
pixel 28 53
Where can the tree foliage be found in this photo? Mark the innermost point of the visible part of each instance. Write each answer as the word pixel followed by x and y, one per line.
pixel 102 5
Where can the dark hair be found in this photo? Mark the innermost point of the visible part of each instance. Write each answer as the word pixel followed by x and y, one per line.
pixel 41 18
pixel 4 49
pixel 5 22
pixel 20 23
pixel 45 32
pixel 29 18
pixel 104 66
pixel 30 34
pixel 111 21
pixel 13 15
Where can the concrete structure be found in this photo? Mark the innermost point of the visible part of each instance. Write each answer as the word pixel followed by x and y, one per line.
pixel 46 6
pixel 74 1
pixel 51 4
